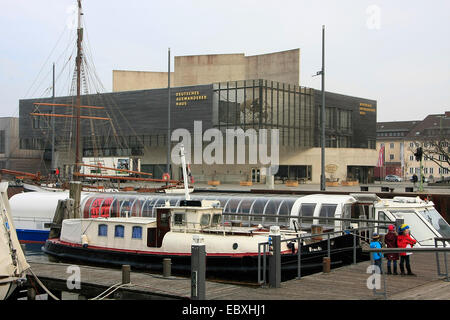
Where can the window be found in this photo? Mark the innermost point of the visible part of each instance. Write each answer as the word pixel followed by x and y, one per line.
pixel 179 219
pixel 136 232
pixel 431 170
pixel 425 170
pixel 411 158
pixel 119 231
pixel 391 146
pixel 391 157
pixel 102 230
pixel 217 218
pixel 204 221
pixel 411 144
pixel 306 209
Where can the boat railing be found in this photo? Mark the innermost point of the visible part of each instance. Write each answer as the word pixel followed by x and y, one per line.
pixel 436 249
pixel 266 248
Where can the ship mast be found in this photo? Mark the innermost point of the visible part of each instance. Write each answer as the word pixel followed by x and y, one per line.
pixel 78 99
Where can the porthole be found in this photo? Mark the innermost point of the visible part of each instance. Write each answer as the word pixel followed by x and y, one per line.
pixel 235 246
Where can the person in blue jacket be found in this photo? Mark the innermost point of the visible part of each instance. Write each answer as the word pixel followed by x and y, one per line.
pixel 375 243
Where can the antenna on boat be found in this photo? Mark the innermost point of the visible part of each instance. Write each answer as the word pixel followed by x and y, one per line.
pixel 185 180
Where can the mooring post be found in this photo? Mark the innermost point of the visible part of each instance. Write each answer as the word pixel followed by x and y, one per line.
pixel 31 293
pixel 167 270
pixel 354 246
pixel 275 258
pixel 198 268
pixel 75 194
pixel 326 264
pixel 126 273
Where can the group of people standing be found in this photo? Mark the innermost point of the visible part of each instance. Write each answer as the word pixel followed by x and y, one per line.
pixel 394 239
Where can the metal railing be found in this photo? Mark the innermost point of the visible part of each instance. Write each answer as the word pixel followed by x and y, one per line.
pixel 443 240
pixel 436 249
pixel 262 269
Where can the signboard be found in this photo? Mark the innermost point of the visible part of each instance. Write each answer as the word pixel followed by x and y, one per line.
pixel 185 97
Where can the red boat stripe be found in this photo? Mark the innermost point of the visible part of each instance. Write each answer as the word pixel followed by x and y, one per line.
pixel 158 252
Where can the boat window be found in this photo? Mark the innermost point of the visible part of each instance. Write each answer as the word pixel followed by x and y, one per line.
pixel 136 232
pixel 179 219
pixel 436 220
pixel 119 231
pixel 285 210
pixel 102 230
pixel 258 208
pixel 204 221
pixel 306 210
pixel 216 219
pixel 271 209
pixel 419 230
pixel 327 210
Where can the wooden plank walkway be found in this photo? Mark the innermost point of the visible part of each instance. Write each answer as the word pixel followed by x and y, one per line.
pixel 345 283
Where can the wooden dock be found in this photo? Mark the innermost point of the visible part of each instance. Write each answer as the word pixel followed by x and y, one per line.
pixel 345 283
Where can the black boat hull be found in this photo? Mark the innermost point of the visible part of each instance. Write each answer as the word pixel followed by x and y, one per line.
pixel 222 266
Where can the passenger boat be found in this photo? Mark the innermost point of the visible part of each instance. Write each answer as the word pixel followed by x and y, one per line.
pixel 12 259
pixel 143 242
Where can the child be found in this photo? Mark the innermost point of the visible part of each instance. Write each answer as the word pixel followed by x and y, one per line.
pixel 375 243
pixel 404 240
pixel 390 239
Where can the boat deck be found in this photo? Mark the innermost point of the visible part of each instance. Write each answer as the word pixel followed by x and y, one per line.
pixel 344 283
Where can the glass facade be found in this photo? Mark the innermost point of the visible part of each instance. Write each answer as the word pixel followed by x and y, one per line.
pixel 263 104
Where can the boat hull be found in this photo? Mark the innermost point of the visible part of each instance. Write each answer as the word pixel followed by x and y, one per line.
pixel 32 236
pixel 218 266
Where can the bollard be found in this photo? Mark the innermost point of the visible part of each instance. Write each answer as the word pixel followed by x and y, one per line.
pixel 316 229
pixel 198 268
pixel 167 270
pixel 126 273
pixel 31 293
pixel 326 265
pixel 275 258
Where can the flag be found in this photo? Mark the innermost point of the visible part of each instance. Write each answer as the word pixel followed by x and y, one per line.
pixel 380 162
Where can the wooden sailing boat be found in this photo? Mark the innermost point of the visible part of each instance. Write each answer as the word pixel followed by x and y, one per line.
pixel 131 175
pixel 12 259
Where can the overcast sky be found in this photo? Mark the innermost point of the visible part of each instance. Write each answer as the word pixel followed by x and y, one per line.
pixel 395 52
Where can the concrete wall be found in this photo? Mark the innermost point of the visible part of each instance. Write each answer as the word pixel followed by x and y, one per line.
pixel 281 66
pixel 138 80
pixel 204 69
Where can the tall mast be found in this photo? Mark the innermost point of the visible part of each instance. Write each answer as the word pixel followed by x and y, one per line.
pixel 78 100
pixel 53 121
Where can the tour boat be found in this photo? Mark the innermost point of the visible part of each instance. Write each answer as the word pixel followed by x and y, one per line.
pixel 12 259
pixel 143 242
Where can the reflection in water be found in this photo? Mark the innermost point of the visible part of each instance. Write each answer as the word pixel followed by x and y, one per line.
pixel 33 252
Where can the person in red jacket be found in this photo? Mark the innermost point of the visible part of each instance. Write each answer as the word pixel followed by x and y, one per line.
pixel 404 240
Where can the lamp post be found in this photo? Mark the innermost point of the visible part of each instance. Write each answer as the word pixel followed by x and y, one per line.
pixel 322 175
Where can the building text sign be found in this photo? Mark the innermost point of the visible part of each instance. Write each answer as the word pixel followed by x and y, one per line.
pixel 183 97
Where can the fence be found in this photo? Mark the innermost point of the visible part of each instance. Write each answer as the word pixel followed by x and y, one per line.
pixel 436 249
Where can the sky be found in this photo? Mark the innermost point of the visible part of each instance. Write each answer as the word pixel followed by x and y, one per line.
pixel 395 52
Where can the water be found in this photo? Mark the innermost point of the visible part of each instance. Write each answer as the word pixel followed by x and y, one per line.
pixel 34 253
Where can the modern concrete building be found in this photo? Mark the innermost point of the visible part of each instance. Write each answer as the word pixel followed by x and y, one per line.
pixel 12 156
pixel 205 69
pixel 401 140
pixel 224 92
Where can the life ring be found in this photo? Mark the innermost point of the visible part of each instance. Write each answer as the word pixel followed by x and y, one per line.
pixel 166 177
